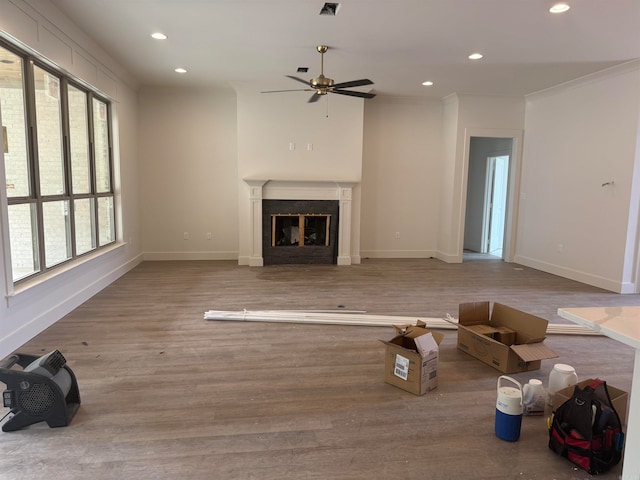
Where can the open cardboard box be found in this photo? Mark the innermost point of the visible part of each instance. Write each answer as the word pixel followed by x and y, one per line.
pixel 507 339
pixel 619 398
pixel 411 358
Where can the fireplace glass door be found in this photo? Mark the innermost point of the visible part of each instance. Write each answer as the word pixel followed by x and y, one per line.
pixel 288 229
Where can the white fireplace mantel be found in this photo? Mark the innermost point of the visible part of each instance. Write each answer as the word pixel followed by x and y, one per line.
pixel 270 189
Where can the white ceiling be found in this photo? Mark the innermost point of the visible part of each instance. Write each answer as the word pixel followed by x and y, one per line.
pixel 396 43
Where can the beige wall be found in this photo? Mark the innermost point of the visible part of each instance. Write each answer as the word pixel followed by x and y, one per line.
pixel 401 177
pixel 189 171
pixel 580 136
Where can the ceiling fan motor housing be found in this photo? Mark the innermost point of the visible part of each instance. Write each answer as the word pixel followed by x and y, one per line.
pixel 321 82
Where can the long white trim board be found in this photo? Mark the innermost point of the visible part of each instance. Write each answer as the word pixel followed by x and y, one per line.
pixel 327 317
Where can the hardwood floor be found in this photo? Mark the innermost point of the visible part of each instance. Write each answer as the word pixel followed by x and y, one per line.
pixel 167 394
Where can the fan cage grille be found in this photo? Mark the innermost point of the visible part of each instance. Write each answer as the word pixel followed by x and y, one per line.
pixel 38 399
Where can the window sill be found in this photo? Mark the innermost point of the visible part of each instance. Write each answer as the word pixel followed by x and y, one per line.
pixel 17 291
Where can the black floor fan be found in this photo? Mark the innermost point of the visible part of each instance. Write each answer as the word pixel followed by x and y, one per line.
pixel 44 390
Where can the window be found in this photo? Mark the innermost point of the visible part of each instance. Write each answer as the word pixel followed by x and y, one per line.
pixel 57 164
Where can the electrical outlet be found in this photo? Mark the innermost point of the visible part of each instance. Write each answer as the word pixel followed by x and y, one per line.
pixel 209 235
pixel 397 234
pixel 185 235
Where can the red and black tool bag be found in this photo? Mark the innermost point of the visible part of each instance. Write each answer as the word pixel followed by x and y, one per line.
pixel 587 430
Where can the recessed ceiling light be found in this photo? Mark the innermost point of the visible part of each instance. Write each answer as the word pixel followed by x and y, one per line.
pixel 428 83
pixel 159 36
pixel 180 70
pixel 559 8
pixel 475 56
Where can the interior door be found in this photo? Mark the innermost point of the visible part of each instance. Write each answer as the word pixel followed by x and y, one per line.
pixel 495 204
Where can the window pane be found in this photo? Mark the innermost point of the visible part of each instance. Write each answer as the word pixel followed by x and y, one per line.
pixel 23 235
pixel 14 131
pixel 49 124
pixel 79 141
pixel 101 144
pixel 85 225
pixel 57 232
pixel 106 220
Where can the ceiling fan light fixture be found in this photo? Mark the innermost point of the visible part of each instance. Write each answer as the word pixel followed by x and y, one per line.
pixel 559 8
pixel 322 85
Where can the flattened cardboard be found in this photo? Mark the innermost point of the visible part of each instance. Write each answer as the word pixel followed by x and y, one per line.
pixel 411 359
pixel 524 353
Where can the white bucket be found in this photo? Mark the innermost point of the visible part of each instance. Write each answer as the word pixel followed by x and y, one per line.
pixel 561 376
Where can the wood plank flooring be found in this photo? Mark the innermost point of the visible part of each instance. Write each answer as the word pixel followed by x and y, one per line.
pixel 168 395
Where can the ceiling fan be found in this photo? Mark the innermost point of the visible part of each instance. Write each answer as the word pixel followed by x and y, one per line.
pixel 323 85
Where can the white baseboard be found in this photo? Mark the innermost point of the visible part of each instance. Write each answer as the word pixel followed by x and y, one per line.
pixel 577 275
pixel 397 254
pixel 161 256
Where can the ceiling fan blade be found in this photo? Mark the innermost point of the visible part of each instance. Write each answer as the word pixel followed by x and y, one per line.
pixel 353 83
pixel 354 94
pixel 298 79
pixel 314 98
pixel 294 90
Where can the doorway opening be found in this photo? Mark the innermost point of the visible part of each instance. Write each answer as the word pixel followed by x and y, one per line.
pixel 487 198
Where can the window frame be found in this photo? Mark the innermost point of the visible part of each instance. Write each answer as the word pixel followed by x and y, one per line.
pixel 29 63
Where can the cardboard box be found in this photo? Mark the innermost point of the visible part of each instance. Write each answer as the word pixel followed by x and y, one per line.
pixel 507 339
pixel 619 398
pixel 411 359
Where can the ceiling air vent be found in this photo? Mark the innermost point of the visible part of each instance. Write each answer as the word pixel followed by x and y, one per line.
pixel 303 69
pixel 330 9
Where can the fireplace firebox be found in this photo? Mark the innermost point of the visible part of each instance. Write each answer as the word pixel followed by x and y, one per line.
pixel 299 231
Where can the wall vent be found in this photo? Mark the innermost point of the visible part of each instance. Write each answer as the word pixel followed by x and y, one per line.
pixel 330 9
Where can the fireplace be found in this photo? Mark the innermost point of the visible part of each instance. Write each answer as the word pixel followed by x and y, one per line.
pixel 320 211
pixel 300 231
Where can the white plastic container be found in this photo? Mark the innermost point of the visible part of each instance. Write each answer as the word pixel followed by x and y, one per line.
pixel 508 410
pixel 533 397
pixel 561 376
